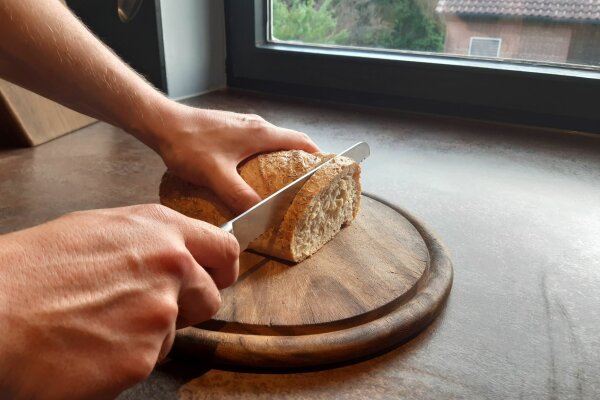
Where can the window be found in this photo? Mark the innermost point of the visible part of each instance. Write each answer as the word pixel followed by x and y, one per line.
pixel 553 31
pixel 537 64
pixel 485 47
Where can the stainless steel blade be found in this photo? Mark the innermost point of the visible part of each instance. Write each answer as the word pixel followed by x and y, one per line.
pixel 268 213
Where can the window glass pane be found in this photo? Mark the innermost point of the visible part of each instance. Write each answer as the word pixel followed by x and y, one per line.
pixel 554 31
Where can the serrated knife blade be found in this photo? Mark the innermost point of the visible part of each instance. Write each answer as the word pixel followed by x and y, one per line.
pixel 269 212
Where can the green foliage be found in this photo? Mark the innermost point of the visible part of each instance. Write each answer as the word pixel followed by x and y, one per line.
pixel 391 24
pixel 302 20
pixel 409 28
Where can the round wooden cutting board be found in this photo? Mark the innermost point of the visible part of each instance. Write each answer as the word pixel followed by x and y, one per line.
pixel 381 280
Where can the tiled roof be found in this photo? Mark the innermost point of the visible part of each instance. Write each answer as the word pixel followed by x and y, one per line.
pixel 580 10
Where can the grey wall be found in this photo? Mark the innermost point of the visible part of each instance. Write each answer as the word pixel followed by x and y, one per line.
pixel 194 45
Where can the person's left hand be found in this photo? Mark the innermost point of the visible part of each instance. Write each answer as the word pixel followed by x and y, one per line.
pixel 205 147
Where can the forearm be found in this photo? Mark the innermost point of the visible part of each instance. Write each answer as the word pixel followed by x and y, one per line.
pixel 43 47
pixel 46 49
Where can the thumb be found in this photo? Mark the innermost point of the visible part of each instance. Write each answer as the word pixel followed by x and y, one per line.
pixel 237 195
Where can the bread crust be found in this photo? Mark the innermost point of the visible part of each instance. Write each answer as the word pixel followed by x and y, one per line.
pixel 267 173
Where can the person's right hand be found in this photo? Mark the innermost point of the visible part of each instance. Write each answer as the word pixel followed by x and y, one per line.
pixel 90 302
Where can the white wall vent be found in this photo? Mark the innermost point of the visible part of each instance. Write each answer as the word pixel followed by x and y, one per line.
pixel 485 47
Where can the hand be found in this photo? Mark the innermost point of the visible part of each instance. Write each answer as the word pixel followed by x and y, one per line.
pixel 206 146
pixel 89 302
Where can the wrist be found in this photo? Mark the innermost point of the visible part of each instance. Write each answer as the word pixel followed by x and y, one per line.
pixel 171 125
pixel 155 116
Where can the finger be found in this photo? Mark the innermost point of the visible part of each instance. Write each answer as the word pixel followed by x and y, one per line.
pixel 237 195
pixel 290 139
pixel 214 249
pixel 199 299
pixel 287 139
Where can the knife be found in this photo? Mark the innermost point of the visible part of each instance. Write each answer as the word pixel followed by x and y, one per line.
pixel 268 213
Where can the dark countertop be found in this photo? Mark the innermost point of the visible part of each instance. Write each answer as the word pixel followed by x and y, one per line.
pixel 518 208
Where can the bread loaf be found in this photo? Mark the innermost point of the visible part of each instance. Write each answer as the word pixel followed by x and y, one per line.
pixel 329 200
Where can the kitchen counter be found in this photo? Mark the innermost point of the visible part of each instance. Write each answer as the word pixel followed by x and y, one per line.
pixel 518 209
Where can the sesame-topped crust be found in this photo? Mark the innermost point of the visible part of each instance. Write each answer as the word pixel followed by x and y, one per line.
pixel 267 173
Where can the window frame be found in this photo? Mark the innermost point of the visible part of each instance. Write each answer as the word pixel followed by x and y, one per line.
pixel 516 92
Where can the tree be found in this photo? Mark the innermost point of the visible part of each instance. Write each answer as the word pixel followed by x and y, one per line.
pixel 304 21
pixel 410 29
pixel 391 24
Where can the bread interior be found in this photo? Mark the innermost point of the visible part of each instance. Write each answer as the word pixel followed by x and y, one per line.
pixel 324 217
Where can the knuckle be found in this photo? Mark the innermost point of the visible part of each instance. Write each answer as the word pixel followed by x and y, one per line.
pixel 253 118
pixel 256 123
pixel 230 247
pixel 302 139
pixel 224 242
pixel 138 367
pixel 213 304
pixel 156 211
pixel 262 131
pixel 165 315
pixel 177 261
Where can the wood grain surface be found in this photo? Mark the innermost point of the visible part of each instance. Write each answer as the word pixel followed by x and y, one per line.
pixel 377 283
pixel 36 119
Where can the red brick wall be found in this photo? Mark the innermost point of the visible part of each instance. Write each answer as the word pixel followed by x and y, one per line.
pixel 525 40
pixel 585 45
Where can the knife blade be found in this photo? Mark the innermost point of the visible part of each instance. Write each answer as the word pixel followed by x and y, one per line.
pixel 269 212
